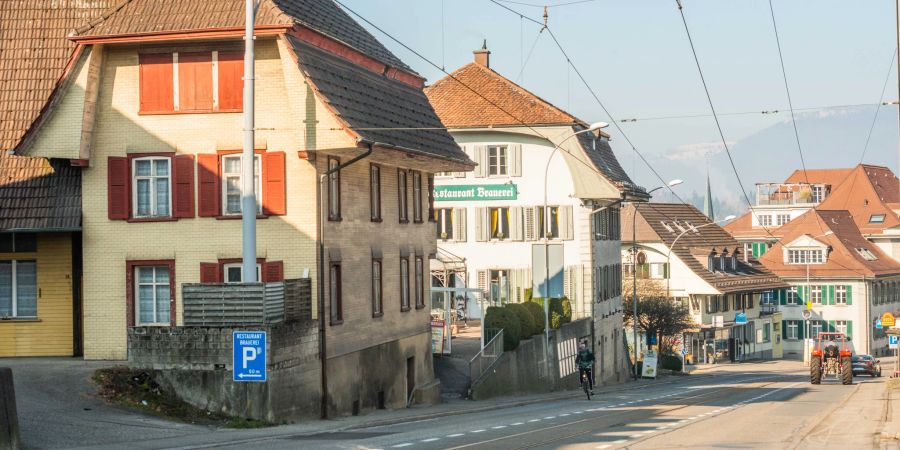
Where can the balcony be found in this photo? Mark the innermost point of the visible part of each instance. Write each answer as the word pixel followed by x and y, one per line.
pixel 791 194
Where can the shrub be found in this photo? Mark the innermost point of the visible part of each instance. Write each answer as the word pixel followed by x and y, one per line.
pixel 670 362
pixel 526 321
pixel 537 313
pixel 566 307
pixel 556 309
pixel 556 320
pixel 498 317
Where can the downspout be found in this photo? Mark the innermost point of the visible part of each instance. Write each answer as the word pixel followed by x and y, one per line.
pixel 869 326
pixel 321 275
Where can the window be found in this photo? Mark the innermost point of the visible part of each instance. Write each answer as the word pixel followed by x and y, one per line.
pixel 818 194
pixel 807 256
pixel 499 285
pixel 18 242
pixel 18 288
pixel 444 220
pixel 191 82
pixel 815 327
pixel 377 303
pixel 499 223
pixel 765 220
pixel 152 291
pixel 231 184
pixel 659 271
pixel 876 218
pixel 404 283
pixel 816 294
pixel 767 332
pixel 549 229
pixel 866 254
pixel 767 298
pixel 711 263
pixel 417 197
pixel 402 196
pixel 793 328
pixel 782 219
pixel 334 289
pixel 234 273
pixel 792 297
pixel 375 192
pixel 334 190
pixel 430 197
pixel 152 187
pixel 840 326
pixel 734 259
pixel 840 295
pixel 497 160
pixel 420 282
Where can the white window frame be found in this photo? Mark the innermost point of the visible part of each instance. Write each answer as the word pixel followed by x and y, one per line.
pixel 806 256
pixel 14 279
pixel 818 194
pixel 815 294
pixel 159 321
pixel 815 327
pixel 154 207
pixel 257 172
pixel 793 297
pixel 240 266
pixel 498 160
pixel 445 223
pixel 840 326
pixel 840 295
pixel 782 219
pixel 793 329
pixel 765 220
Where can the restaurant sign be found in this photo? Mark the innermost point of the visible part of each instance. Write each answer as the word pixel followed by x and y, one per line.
pixel 468 192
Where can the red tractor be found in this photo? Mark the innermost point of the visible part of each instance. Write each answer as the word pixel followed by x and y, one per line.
pixel 831 356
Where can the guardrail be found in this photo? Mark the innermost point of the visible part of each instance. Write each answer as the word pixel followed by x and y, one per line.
pixel 492 350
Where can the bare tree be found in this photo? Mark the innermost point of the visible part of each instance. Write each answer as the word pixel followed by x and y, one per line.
pixel 658 316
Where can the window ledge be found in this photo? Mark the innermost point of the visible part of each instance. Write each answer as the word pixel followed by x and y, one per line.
pixel 238 217
pixel 404 220
pixel 175 113
pixel 336 322
pixel 335 219
pixel 420 306
pixel 377 219
pixel 404 309
pixel 377 315
pixel 418 221
pixel 152 219
pixel 19 319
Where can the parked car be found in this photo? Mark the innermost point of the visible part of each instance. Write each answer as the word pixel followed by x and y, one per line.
pixel 866 365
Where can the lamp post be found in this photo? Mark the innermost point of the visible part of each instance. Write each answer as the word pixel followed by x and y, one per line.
pixel 808 303
pixel 634 294
pixel 248 185
pixel 596 126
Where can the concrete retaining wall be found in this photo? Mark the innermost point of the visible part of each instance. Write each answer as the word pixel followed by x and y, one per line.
pixel 9 420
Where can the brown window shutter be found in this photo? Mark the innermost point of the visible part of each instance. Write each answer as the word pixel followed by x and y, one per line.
pixel 117 187
pixel 156 82
pixel 184 186
pixel 208 185
pixel 210 273
pixel 274 189
pixel 231 81
pixel 195 81
pixel 273 271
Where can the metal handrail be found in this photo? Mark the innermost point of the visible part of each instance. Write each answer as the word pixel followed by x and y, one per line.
pixel 485 357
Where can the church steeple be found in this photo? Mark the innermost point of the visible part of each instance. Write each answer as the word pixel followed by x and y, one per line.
pixel 708 201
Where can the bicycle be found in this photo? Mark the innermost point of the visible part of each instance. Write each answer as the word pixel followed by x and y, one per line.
pixel 586 383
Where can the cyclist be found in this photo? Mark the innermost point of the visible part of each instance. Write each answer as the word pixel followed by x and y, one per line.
pixel 585 363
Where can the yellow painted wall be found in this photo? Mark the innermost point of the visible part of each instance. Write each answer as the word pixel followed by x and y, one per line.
pixel 51 333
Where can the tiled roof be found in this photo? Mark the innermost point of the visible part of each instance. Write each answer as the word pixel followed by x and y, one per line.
pixel 364 100
pixel 696 244
pixel 37 194
pixel 459 107
pixel 833 177
pixel 843 259
pixel 34 51
pixel 154 16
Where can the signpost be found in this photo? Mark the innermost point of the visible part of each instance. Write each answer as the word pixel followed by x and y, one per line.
pixel 648 370
pixel 887 320
pixel 892 342
pixel 249 361
pixel 878 324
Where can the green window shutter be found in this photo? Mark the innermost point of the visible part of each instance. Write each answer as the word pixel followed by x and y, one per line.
pixel 780 295
pixel 800 329
pixel 784 329
pixel 831 326
pixel 850 329
pixel 803 294
pixel 849 294
pixel 829 295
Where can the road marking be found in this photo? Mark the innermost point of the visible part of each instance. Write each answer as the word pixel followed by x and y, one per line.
pixel 478 431
pixel 663 427
pixel 498 427
pixel 430 439
pixel 602 446
pixel 637 435
pixel 564 415
pixel 456 435
pixel 405 444
pixel 549 417
pixel 620 441
pixel 516 424
pixel 534 420
pixel 650 431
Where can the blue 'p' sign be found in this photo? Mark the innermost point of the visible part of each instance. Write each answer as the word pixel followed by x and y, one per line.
pixel 249 360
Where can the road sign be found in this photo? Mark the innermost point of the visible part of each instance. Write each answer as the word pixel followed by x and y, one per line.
pixel 249 360
pixel 892 341
pixel 740 319
pixel 887 320
pixel 807 314
pixel 878 324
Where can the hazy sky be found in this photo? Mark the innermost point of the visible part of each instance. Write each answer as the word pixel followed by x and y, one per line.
pixel 635 55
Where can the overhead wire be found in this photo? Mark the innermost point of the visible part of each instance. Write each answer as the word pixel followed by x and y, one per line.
pixel 528 58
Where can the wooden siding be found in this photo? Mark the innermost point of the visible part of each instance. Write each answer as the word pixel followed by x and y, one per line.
pixel 51 333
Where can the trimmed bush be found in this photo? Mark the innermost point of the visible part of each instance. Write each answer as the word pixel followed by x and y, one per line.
pixel 670 362
pixel 556 309
pixel 537 313
pixel 526 322
pixel 498 317
pixel 566 307
pixel 556 320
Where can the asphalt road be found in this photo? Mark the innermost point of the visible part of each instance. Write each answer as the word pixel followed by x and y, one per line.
pixel 765 405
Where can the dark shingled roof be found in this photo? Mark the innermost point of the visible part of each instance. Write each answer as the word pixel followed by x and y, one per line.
pixel 364 99
pixel 601 154
pixel 694 246
pixel 39 194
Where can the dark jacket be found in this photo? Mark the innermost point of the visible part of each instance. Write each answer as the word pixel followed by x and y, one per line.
pixel 585 358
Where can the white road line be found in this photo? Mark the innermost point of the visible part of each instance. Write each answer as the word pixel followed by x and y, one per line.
pixel 549 417
pixel 405 444
pixel 564 415
pixel 430 439
pixel 516 424
pixel 534 420
pixel 663 427
pixel 650 431
pixel 620 441
pixel 456 435
pixel 477 431
pixel 498 427
pixel 635 436
pixel 602 446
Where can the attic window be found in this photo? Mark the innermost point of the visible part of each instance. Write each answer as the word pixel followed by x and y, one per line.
pixel 876 218
pixel 866 254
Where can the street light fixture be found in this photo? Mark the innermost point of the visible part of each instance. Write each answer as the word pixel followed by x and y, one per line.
pixel 634 294
pixel 596 126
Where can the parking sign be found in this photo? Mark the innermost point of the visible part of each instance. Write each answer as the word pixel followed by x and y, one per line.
pixel 249 360
pixel 892 340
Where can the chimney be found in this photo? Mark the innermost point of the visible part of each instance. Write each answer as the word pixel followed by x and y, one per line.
pixel 483 55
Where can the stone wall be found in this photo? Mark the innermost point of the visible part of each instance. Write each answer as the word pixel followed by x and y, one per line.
pixel 196 363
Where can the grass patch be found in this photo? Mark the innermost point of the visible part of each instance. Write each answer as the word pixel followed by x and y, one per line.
pixel 137 389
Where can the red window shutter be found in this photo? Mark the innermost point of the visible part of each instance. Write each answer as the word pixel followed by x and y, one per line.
pixel 157 82
pixel 195 88
pixel 117 187
pixel 210 273
pixel 184 186
pixel 274 189
pixel 208 182
pixel 273 271
pixel 231 81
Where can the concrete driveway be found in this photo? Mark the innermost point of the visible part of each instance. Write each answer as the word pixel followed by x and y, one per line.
pixel 59 408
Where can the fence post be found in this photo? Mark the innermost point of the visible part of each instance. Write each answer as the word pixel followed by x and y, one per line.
pixel 9 420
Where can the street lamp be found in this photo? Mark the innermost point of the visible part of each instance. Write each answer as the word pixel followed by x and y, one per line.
pixel 596 126
pixel 669 255
pixel 634 294
pixel 807 340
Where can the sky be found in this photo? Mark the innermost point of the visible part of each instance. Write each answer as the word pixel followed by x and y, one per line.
pixel 636 57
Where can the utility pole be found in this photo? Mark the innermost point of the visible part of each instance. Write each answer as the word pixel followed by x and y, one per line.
pixel 897 10
pixel 248 182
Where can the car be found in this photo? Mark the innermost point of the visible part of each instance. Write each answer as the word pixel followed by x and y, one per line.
pixel 866 365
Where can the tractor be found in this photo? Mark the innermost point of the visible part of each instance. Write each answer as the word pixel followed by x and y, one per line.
pixel 831 356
